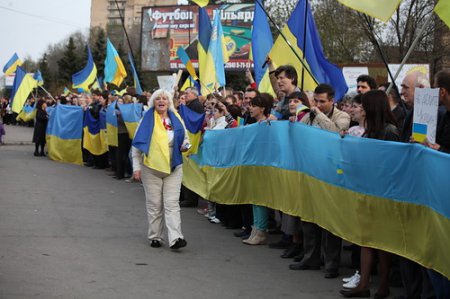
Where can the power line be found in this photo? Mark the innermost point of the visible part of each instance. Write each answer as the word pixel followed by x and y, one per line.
pixel 45 18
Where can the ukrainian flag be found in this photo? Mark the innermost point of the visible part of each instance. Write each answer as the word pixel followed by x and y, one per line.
pixel 131 115
pixel 136 84
pixel 194 124
pixel 262 41
pixel 12 64
pixel 380 9
pixel 114 70
pixel 38 77
pixel 395 201
pixel 112 130
pixel 184 57
pixel 28 113
pixel 22 86
pixel 94 139
pixel 204 36
pixel 281 54
pixel 216 58
pixel 64 131
pixel 86 77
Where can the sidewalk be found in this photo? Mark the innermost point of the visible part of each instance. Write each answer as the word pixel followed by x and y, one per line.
pixel 17 135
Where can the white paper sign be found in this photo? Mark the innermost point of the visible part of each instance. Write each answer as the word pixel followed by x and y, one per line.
pixel 407 69
pixel 352 73
pixel 426 103
pixel 167 82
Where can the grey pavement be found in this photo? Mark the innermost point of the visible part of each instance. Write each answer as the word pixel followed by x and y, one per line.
pixel 69 231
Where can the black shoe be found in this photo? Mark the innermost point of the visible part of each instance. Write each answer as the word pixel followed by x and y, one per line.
pixel 241 234
pixel 292 251
pixel 332 273
pixel 354 293
pixel 180 243
pixel 188 204
pixel 42 154
pixel 282 244
pixel 298 258
pixel 155 243
pixel 36 154
pixel 302 266
pixel 88 164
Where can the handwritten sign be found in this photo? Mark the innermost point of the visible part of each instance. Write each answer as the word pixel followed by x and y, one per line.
pixel 351 74
pixel 167 82
pixel 426 102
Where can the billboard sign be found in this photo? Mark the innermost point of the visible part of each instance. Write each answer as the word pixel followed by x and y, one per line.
pixel 165 28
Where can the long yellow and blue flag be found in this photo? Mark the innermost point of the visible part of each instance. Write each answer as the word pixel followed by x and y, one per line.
pixel 64 131
pixel 262 41
pixel 94 139
pixel 112 130
pixel 38 77
pixel 204 36
pixel 22 86
pixel 394 201
pixel 216 57
pixel 184 57
pixel 136 83
pixel 194 124
pixel 114 70
pixel 380 9
pixel 131 115
pixel 87 76
pixel 311 48
pixel 12 64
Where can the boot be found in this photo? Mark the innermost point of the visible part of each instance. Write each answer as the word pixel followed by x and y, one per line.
pixel 258 239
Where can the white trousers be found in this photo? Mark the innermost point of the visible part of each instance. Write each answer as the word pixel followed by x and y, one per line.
pixel 162 191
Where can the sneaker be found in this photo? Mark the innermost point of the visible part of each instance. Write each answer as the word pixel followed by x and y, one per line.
pixel 214 219
pixel 352 281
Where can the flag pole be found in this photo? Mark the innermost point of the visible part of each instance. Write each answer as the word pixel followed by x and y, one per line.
pixel 289 44
pixel 47 93
pixel 304 41
pixel 411 48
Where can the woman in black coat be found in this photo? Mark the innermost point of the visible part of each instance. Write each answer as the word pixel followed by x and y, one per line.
pixel 40 127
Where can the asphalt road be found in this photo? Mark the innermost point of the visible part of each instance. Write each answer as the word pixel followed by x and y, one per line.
pixel 69 231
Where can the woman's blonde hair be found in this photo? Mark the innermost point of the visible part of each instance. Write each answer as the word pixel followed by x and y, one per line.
pixel 161 93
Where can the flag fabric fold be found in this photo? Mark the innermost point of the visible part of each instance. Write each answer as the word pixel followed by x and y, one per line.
pixel 22 86
pixel 94 139
pixel 114 69
pixel 262 41
pixel 38 77
pixel 309 47
pixel 12 64
pixel 131 115
pixel 194 124
pixel 204 36
pixel 329 180
pixel 136 83
pixel 28 113
pixel 184 57
pixel 87 76
pixel 442 9
pixel 112 130
pixel 64 131
pixel 380 9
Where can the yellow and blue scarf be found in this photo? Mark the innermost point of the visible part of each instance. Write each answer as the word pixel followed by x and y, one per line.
pixel 152 139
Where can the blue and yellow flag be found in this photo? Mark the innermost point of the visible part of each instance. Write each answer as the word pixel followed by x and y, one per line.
pixel 136 83
pixel 322 70
pixel 204 36
pixel 94 139
pixel 28 113
pixel 38 77
pixel 201 3
pixel 114 70
pixel 12 64
pixel 184 57
pixel 380 9
pixel 22 86
pixel 194 124
pixel 131 115
pixel 330 181
pixel 112 130
pixel 66 92
pixel 86 77
pixel 262 41
pixel 64 131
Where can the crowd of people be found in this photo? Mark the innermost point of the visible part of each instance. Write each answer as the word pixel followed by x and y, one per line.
pixel 153 157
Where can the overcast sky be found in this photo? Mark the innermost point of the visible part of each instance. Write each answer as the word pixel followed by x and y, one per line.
pixel 29 26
